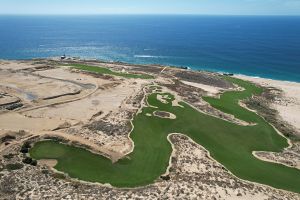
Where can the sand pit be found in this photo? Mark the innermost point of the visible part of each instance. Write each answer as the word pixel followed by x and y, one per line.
pixel 48 162
pixel 163 98
pixel 176 103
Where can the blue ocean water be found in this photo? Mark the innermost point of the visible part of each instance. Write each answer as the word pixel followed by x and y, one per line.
pixel 265 46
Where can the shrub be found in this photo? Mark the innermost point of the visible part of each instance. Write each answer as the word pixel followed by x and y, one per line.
pixel 165 178
pixel 59 175
pixel 24 150
pixel 7 138
pixel 27 160
pixel 8 156
pixel 33 163
pixel 26 145
pixel 14 166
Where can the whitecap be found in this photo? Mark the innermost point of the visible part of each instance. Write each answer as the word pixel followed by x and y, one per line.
pixel 148 56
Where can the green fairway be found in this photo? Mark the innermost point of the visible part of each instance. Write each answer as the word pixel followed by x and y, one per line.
pixel 102 70
pixel 228 143
pixel 228 102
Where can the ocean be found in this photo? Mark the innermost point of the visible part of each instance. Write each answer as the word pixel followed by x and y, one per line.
pixel 263 46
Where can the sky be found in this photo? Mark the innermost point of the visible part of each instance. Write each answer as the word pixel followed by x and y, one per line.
pixel 201 7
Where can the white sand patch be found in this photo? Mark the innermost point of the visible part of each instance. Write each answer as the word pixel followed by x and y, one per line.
pixel 175 102
pixel 212 90
pixel 162 98
pixel 48 162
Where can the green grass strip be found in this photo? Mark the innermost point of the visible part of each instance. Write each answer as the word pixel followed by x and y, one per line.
pixel 229 101
pixel 102 70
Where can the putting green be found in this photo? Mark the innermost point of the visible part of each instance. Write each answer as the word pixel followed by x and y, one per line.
pixel 230 144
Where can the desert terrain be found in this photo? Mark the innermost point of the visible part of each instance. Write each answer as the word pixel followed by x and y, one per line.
pixel 96 108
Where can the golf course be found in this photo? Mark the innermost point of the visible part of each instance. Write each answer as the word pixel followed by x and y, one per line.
pixel 228 143
pixel 102 70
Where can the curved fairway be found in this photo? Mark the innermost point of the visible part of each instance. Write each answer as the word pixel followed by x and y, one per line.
pixel 230 144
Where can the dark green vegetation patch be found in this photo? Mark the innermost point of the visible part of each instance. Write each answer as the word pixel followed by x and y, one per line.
pixel 229 143
pixel 102 70
pixel 14 166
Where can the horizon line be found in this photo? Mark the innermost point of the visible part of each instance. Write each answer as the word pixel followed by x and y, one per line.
pixel 145 14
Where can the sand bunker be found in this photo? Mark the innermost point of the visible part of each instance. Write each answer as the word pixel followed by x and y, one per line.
pixel 163 98
pixel 48 162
